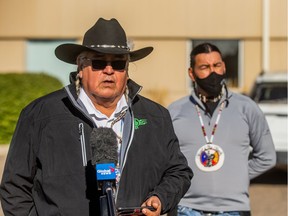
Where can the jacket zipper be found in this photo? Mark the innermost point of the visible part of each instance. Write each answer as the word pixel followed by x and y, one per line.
pixel 125 156
pixel 82 141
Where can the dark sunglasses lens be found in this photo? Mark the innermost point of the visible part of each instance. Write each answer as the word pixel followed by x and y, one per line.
pixel 101 64
pixel 98 64
pixel 118 65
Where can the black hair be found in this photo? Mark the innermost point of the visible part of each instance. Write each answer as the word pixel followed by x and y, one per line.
pixel 202 48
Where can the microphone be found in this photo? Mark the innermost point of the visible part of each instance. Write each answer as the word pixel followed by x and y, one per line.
pixel 104 147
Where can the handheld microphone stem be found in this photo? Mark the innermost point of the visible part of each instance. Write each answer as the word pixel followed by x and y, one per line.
pixel 111 202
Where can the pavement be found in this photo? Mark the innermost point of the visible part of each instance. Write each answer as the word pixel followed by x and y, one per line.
pixel 3 153
pixel 268 193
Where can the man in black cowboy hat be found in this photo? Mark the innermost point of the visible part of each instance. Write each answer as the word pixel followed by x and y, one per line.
pixel 50 166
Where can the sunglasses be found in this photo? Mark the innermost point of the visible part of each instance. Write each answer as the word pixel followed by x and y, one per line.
pixel 119 65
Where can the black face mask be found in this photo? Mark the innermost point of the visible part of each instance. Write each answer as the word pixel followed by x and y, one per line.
pixel 212 84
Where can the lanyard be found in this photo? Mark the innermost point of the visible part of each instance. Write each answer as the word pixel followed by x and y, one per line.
pixel 215 125
pixel 119 136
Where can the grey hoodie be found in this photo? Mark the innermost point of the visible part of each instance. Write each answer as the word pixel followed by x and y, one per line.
pixel 241 125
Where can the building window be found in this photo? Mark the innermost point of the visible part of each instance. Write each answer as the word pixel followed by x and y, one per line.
pixel 40 57
pixel 230 50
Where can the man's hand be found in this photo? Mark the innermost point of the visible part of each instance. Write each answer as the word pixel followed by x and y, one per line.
pixel 153 201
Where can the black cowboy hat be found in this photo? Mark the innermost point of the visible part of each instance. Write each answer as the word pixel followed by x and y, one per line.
pixel 106 36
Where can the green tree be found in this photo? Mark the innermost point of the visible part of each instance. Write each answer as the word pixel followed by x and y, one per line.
pixel 18 90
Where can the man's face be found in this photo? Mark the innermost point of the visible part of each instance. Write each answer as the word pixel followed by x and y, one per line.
pixel 102 82
pixel 205 64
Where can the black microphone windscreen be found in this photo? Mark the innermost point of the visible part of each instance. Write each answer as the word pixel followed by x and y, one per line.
pixel 103 142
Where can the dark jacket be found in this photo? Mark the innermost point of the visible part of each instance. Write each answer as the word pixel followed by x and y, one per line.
pixel 48 169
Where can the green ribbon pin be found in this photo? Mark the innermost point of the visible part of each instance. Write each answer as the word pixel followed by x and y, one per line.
pixel 139 122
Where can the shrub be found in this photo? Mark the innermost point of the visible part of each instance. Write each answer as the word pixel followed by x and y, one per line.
pixel 17 90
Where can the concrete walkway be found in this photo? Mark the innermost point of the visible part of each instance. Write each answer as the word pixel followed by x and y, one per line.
pixel 4 150
pixel 3 154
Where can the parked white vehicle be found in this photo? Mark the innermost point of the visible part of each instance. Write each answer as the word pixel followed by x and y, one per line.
pixel 270 92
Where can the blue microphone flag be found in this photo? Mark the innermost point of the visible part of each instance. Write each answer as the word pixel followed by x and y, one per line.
pixel 105 171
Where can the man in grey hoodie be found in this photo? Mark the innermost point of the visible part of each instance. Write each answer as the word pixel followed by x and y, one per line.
pixel 216 129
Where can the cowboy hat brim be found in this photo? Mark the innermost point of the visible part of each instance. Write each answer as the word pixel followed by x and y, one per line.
pixel 69 52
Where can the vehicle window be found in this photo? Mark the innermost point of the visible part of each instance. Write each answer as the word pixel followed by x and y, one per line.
pixel 271 93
